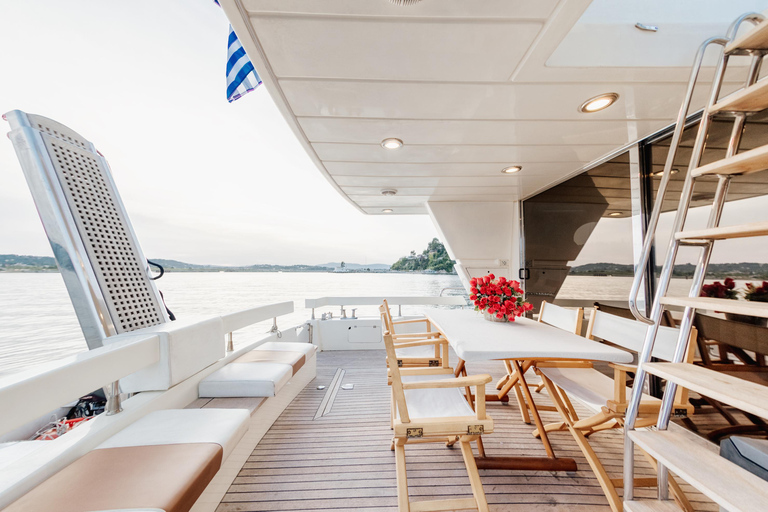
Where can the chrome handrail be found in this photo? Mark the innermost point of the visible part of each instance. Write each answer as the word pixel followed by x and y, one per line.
pixel 650 232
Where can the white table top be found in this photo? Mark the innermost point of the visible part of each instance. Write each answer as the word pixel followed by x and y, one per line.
pixel 476 339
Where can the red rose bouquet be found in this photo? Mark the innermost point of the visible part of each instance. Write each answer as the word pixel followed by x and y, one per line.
pixel 500 298
pixel 757 293
pixel 718 290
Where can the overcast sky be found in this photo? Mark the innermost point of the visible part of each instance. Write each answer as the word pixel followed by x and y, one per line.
pixel 204 181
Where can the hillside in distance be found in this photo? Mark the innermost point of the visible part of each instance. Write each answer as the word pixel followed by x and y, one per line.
pixel 715 271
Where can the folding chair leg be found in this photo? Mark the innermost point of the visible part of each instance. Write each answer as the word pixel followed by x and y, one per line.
pixel 403 504
pixel 474 476
pixel 392 406
pixel 480 447
pixel 597 468
pixel 502 381
pixel 522 404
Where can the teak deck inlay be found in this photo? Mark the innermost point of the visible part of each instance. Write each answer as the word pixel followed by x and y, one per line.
pixel 342 461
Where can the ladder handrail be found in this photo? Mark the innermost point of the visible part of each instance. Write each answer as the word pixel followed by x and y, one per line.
pixel 650 231
pixel 666 274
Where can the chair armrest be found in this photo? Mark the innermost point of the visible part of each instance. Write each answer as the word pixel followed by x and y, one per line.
pixel 434 334
pixel 623 367
pixel 419 343
pixel 460 382
pixel 412 321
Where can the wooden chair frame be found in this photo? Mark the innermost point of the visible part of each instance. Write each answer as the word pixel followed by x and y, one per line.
pixel 611 417
pixel 409 429
pixel 406 340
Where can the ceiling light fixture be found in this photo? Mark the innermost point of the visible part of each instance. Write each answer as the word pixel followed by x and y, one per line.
pixel 392 143
pixel 661 173
pixel 614 214
pixel 599 102
pixel 405 2
pixel 387 210
pixel 511 169
pixel 389 192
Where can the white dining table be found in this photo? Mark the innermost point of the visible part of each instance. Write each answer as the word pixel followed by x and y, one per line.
pixel 520 343
pixel 474 338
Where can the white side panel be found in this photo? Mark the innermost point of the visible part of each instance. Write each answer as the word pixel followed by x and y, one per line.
pixel 483 237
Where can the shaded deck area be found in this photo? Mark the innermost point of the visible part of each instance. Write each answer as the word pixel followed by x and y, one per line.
pixel 342 460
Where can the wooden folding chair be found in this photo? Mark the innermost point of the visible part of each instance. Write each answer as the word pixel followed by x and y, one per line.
pixel 436 409
pixel 608 397
pixel 419 349
pixel 563 318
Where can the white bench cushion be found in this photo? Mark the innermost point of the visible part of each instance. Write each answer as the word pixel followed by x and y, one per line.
pixel 246 379
pixel 290 346
pixel 587 385
pixel 224 427
pixel 435 403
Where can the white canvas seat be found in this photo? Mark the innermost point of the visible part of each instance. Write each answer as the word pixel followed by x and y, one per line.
pixel 591 388
pixel 259 379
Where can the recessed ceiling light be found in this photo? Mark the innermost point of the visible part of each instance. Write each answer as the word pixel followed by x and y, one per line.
pixel 614 214
pixel 598 102
pixel 511 169
pixel 389 192
pixel 392 143
pixel 387 210
pixel 661 173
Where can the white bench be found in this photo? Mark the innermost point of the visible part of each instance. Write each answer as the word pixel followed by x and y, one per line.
pixel 162 462
pixel 262 372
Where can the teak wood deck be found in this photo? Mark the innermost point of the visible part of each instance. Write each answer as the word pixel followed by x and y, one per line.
pixel 342 461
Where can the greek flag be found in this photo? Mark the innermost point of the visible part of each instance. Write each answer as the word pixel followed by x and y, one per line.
pixel 242 78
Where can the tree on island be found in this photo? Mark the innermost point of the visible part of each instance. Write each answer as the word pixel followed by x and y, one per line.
pixel 434 258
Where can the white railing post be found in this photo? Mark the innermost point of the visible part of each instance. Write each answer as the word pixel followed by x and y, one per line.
pixel 114 402
pixel 230 342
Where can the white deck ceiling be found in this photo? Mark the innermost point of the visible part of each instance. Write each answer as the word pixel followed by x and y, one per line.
pixel 469 87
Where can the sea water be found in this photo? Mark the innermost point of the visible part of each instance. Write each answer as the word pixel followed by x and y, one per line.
pixel 38 323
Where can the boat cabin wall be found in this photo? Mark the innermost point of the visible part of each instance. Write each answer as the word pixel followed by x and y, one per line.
pixel 483 237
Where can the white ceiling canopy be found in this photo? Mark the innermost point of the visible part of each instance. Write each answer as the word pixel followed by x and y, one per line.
pixel 470 87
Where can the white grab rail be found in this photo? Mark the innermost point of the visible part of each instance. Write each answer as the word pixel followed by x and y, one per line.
pixel 452 300
pixel 34 393
pixel 29 395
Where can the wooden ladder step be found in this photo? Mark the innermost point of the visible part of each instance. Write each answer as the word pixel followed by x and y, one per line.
pixel 755 39
pixel 742 394
pixel 754 160
pixel 740 307
pixel 723 233
pixel 730 486
pixel 651 506
pixel 750 99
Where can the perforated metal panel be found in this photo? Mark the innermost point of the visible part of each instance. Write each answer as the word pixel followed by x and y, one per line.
pixel 94 244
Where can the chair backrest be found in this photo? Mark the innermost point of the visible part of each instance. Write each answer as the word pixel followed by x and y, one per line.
pixel 386 317
pixel 630 334
pixel 95 247
pixel 566 319
pixel 666 318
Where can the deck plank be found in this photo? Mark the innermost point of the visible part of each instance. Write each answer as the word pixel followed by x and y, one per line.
pixel 342 461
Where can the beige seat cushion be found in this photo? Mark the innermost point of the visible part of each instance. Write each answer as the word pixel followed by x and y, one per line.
pixel 166 477
pixel 295 359
pixel 587 385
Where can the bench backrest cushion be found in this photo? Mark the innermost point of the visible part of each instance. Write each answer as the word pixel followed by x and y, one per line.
pixel 630 334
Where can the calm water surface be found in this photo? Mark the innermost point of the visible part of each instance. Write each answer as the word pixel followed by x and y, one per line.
pixel 38 323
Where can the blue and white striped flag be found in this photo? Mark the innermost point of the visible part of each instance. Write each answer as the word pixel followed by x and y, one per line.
pixel 242 78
